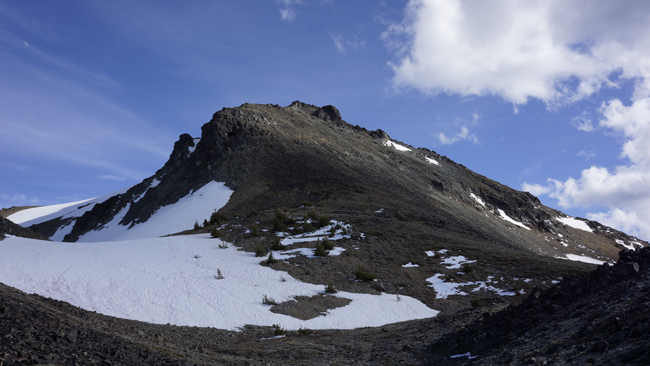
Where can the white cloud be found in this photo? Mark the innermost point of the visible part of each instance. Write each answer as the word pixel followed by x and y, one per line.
pixel 287 9
pixel 556 51
pixel 342 44
pixel 7 201
pixel 587 154
pixel 462 135
pixel 582 122
pixel 111 177
pixel 535 189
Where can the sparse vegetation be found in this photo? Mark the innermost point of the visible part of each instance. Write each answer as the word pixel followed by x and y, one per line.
pixel 215 233
pixel 260 251
pixel 254 211
pixel 219 276
pixel 277 245
pixel 278 330
pixel 476 303
pixel 217 218
pixel 268 301
pixel 197 226
pixel 270 260
pixel 330 289
pixel 196 256
pixel 467 268
pixel 282 220
pixel 320 250
pixel 307 227
pixel 327 244
pixel 223 245
pixel 364 275
pixel 303 331
pixel 255 231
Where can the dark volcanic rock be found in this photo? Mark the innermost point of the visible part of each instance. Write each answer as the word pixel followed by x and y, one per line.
pixel 9 228
pixel 595 318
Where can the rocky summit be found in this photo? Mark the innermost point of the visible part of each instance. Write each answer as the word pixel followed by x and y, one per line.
pixel 515 281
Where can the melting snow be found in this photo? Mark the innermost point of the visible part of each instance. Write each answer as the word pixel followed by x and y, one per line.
pixel 445 289
pixel 581 258
pixel 431 161
pixel 510 220
pixel 396 146
pixel 456 261
pixel 477 199
pixel 574 223
pixel 172 280
pixel 307 252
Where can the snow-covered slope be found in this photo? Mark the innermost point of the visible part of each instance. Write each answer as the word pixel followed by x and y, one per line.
pixel 180 216
pixel 172 280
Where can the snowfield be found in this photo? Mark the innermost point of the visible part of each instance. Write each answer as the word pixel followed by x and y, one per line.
pixel 134 273
pixel 172 280
pixel 196 206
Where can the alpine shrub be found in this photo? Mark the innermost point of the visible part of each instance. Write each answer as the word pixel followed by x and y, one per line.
pixel 260 251
pixel 320 250
pixel 327 244
pixel 364 275
pixel 277 245
pixel 278 330
pixel 270 260
pixel 215 233
pixel 330 289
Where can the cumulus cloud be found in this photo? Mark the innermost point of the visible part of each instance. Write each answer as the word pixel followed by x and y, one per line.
pixel 555 51
pixel 462 135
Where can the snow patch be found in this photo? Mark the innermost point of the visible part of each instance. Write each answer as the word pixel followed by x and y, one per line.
pixel 396 146
pixel 574 223
pixel 431 161
pixel 581 258
pixel 445 289
pixel 477 199
pixel 511 220
pixel 410 265
pixel 456 261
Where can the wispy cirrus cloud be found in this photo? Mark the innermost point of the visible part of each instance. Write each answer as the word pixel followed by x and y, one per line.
pixel 287 9
pixel 343 44
pixel 464 134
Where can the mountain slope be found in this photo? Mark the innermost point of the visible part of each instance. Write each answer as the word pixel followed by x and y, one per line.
pixel 261 150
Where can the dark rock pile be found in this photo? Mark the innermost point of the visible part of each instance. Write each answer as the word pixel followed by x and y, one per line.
pixel 598 318
pixel 9 228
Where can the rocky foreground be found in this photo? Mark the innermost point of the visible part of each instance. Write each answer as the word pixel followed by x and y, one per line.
pixel 602 317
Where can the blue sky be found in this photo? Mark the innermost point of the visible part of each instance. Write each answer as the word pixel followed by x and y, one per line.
pixel 551 97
